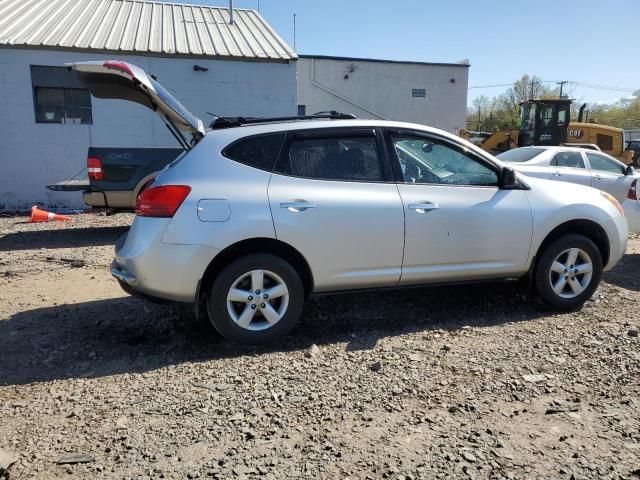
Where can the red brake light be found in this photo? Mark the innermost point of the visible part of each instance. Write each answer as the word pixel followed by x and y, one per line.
pixel 633 192
pixel 117 65
pixel 94 167
pixel 162 201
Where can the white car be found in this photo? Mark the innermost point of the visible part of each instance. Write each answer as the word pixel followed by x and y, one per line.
pixel 258 214
pixel 583 166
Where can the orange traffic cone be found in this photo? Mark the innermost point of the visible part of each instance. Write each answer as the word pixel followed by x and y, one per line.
pixel 38 215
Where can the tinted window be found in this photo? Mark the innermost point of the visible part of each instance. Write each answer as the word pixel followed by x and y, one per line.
pixel 259 152
pixel 520 154
pixel 568 159
pixel 427 161
pixel 334 158
pixel 604 164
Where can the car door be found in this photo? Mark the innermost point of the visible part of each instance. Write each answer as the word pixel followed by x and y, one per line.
pixel 459 225
pixel 333 198
pixel 609 175
pixel 569 166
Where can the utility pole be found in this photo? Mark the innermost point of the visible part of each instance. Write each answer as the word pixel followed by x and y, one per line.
pixel 531 94
pixel 562 84
pixel 294 32
pixel 479 124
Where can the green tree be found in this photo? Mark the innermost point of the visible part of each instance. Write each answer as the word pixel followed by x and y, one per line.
pixel 503 111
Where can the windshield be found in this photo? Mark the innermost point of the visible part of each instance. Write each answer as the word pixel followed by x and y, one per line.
pixel 520 154
pixel 528 120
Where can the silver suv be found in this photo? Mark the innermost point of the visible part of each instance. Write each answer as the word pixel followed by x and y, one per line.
pixel 258 214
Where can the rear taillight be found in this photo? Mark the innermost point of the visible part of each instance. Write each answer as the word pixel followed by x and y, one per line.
pixel 162 201
pixel 94 167
pixel 633 192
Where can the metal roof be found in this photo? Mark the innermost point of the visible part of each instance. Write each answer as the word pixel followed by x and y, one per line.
pixel 141 28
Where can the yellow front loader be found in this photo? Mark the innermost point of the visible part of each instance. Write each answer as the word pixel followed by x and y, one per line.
pixel 547 122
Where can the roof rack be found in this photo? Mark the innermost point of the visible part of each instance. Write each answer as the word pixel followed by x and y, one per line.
pixel 229 122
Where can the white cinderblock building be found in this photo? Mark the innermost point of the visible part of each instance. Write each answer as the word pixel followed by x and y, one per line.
pixel 433 94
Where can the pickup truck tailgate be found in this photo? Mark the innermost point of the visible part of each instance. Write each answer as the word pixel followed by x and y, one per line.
pixel 77 185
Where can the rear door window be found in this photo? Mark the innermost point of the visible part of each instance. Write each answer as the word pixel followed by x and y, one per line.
pixel 260 151
pixel 568 159
pixel 348 156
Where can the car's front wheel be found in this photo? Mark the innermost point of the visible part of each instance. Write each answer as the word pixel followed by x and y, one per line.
pixel 256 299
pixel 568 272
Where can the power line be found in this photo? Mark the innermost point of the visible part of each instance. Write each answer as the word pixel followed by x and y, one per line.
pixel 571 82
pixel 603 87
pixel 509 84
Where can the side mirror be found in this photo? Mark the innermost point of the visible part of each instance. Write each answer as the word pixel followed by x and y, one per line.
pixel 630 170
pixel 509 178
pixel 427 147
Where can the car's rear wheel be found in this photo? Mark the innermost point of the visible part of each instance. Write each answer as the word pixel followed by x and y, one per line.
pixel 568 272
pixel 256 299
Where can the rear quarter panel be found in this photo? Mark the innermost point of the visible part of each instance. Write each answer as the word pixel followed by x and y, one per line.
pixel 214 177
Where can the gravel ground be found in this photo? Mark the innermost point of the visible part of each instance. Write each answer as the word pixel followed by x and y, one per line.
pixel 457 382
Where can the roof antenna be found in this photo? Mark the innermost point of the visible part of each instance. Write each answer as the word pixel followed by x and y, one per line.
pixel 294 32
pixel 231 21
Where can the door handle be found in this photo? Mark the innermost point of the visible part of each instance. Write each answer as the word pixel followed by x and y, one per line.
pixel 597 177
pixel 297 205
pixel 557 173
pixel 423 207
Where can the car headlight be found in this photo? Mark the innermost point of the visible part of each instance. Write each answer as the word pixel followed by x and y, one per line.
pixel 612 199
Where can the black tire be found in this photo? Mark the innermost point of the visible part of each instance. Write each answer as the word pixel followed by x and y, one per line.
pixel 217 306
pixel 549 255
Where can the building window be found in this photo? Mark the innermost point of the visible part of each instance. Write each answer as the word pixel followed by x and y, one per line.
pixel 419 92
pixel 302 110
pixel 58 96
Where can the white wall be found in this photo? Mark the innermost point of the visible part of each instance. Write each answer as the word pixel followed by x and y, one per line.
pixel 383 90
pixel 33 155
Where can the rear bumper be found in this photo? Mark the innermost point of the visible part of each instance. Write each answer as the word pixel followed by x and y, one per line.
pixel 111 199
pixel 147 266
pixel 123 277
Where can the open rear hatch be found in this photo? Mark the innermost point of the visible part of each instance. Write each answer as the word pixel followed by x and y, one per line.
pixel 124 81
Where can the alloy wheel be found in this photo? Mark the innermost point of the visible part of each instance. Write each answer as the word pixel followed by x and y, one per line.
pixel 571 273
pixel 257 300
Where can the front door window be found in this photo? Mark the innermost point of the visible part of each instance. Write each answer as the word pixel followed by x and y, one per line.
pixel 429 161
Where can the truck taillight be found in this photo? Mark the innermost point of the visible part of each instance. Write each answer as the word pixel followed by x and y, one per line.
pixel 633 192
pixel 94 167
pixel 162 201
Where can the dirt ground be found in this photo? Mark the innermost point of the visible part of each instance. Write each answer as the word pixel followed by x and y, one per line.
pixel 457 382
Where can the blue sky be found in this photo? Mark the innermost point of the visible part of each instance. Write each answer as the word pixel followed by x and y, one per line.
pixel 590 41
